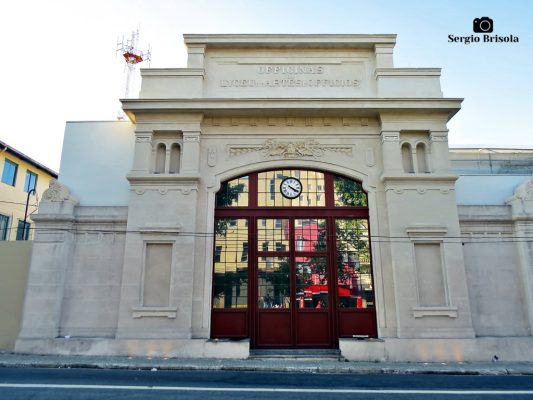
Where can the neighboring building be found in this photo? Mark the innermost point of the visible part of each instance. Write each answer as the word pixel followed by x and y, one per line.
pixel 19 175
pixel 179 234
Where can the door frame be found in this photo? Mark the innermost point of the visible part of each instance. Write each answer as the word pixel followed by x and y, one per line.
pixel 248 319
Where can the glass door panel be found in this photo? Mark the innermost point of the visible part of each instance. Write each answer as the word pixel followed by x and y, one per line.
pixel 312 289
pixel 230 286
pixel 354 273
pixel 355 289
pixel 273 282
pixel 230 278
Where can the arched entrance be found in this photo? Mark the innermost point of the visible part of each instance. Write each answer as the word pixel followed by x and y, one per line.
pixel 292 265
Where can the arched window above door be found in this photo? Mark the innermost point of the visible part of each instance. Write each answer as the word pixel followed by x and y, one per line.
pixel 318 189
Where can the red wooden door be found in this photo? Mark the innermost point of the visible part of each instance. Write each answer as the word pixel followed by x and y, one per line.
pixel 292 305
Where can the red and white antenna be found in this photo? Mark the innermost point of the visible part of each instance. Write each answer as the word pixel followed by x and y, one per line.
pixel 132 58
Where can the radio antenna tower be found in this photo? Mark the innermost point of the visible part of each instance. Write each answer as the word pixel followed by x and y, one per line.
pixel 132 58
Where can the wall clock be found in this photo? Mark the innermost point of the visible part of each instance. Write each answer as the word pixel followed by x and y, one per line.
pixel 290 188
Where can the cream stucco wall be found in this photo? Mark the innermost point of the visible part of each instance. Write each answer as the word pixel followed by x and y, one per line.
pixel 93 150
pixel 258 102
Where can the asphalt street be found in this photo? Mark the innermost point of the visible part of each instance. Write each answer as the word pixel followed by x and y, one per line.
pixel 84 384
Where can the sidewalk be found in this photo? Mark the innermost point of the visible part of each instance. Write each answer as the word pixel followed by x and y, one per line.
pixel 265 365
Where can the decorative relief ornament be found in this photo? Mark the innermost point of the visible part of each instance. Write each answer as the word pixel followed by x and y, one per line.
pixel 369 157
pixel 435 137
pixel 58 192
pixel 299 149
pixel 390 137
pixel 191 138
pixel 525 191
pixel 143 139
pixel 212 156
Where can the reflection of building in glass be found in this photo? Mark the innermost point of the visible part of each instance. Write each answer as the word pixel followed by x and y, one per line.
pixel 230 289
pixel 269 194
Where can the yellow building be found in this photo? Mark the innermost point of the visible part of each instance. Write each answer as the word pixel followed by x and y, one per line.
pixel 19 174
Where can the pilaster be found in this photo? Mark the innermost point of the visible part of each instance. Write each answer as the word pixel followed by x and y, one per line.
pixel 142 152
pixel 392 161
pixel 191 152
pixel 440 151
pixel 51 257
pixel 196 55
pixel 522 213
pixel 428 264
pixel 384 55
pixel 161 216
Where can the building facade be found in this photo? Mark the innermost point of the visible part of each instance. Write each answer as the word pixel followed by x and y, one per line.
pixel 20 174
pixel 282 191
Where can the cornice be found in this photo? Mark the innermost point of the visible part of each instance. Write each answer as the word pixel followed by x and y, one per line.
pixel 288 40
pixel 293 107
pixel 172 72
pixel 408 72
pixel 156 179
pixel 410 178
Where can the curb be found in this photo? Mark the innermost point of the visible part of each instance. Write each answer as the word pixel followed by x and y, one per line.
pixel 279 365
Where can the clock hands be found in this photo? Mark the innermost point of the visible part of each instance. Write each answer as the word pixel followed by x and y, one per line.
pixel 292 187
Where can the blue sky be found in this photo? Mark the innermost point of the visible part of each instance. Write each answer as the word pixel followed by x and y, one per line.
pixel 59 60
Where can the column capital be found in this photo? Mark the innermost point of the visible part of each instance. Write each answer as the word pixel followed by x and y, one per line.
pixel 144 136
pixel 438 136
pixel 390 136
pixel 191 136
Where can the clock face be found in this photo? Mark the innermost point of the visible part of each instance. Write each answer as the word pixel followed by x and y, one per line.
pixel 290 188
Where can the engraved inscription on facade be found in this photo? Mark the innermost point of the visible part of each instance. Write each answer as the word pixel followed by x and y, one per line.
pixel 282 76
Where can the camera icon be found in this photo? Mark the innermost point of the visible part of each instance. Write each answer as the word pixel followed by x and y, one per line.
pixel 483 25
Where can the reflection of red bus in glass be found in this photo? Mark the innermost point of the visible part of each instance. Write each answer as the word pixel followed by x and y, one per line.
pixel 310 237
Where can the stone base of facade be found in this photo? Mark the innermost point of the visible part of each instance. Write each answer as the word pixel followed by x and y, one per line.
pixel 507 349
pixel 438 350
pixel 174 348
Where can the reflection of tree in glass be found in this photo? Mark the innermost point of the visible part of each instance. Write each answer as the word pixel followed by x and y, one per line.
pixel 224 282
pixel 349 193
pixel 352 248
pixel 279 283
pixel 226 196
pixel 229 193
pixel 317 263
